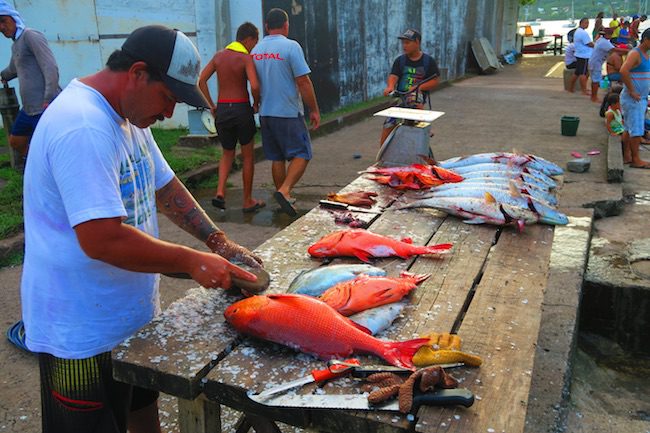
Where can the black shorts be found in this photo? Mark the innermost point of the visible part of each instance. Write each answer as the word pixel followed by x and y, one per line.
pixel 235 122
pixel 581 66
pixel 80 395
pixel 572 65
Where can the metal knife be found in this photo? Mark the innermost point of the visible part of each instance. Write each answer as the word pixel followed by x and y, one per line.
pixel 344 206
pixel 443 397
pixel 315 376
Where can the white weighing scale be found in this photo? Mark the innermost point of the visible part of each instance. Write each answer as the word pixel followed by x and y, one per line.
pixel 410 139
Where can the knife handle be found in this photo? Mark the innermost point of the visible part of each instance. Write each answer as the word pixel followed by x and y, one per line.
pixel 444 397
pixel 334 371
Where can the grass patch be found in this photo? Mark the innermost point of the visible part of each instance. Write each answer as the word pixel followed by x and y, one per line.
pixel 182 159
pixel 11 202
pixel 352 107
pixel 13 259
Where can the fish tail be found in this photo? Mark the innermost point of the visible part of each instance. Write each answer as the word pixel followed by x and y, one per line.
pixel 437 249
pixel 400 353
pixel 416 278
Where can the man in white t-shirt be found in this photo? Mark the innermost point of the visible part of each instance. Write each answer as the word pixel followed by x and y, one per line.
pixel 602 47
pixel 94 181
pixel 583 47
pixel 570 56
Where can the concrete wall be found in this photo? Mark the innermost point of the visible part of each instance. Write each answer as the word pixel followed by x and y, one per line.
pixel 350 44
pixel 368 44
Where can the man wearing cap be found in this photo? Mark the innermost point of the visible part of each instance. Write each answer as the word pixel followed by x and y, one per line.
pixel 635 74
pixel 94 180
pixel 409 70
pixel 284 77
pixel 634 28
pixel 584 46
pixel 33 63
pixel 233 113
pixel 602 47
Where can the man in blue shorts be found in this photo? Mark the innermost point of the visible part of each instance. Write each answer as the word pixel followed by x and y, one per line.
pixel 33 63
pixel 284 78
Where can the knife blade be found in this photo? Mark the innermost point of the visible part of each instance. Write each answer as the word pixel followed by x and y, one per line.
pixel 344 206
pixel 316 375
pixel 443 397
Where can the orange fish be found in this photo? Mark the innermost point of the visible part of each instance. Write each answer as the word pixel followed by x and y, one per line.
pixel 364 245
pixel 364 292
pixel 358 198
pixel 314 327
pixel 414 176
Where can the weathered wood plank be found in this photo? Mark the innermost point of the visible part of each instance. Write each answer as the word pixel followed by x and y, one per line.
pixel 614 159
pixel 438 301
pixel 198 416
pixel 178 348
pixel 256 365
pixel 501 324
pixel 558 331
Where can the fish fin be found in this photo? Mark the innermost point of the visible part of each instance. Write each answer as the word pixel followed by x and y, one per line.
pixel 417 278
pixel 359 327
pixel 427 159
pixel 514 191
pixel 437 249
pixel 489 198
pixel 361 255
pixel 407 240
pixel 520 225
pixel 475 220
pixel 400 353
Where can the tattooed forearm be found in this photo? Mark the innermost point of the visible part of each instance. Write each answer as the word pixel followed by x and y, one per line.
pixel 177 204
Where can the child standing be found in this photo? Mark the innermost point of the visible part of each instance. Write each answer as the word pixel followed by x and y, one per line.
pixel 614 122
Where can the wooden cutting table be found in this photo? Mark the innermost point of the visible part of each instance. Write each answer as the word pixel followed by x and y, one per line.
pixel 490 290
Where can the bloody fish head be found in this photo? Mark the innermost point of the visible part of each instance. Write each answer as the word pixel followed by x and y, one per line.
pixel 326 245
pixel 446 175
pixel 241 313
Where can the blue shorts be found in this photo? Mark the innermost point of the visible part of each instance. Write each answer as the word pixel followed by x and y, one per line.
pixel 25 124
pixel 285 138
pixel 614 76
pixel 633 114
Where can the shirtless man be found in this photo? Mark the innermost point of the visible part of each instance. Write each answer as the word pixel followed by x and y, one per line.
pixel 614 63
pixel 233 113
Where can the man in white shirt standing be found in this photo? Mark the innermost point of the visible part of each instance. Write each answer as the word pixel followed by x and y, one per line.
pixel 584 47
pixel 602 48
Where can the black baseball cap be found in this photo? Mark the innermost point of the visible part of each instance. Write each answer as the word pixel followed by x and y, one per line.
pixel 170 53
pixel 411 35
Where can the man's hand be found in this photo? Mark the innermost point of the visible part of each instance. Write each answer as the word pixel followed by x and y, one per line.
pixel 388 91
pixel 5 83
pixel 219 243
pixel 314 120
pixel 212 270
pixel 634 95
